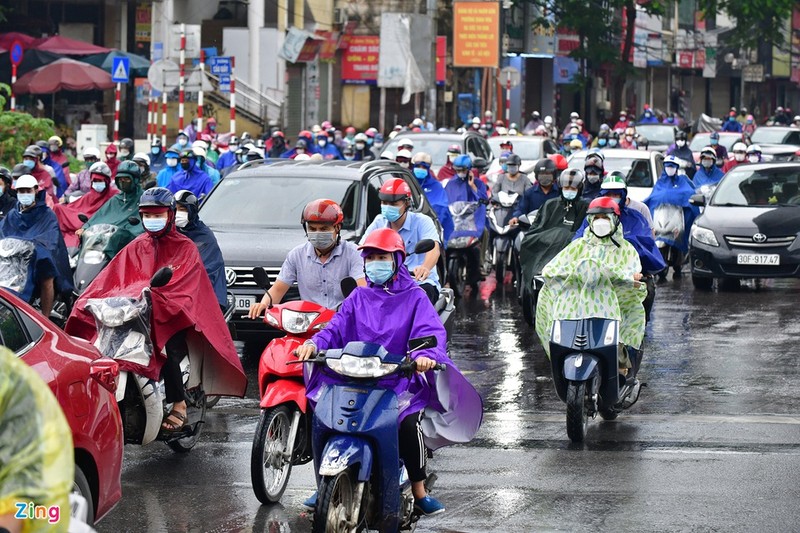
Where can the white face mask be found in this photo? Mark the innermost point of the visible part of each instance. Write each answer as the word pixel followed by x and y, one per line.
pixel 99 186
pixel 707 163
pixel 172 162
pixel 181 219
pixel 671 171
pixel 739 157
pixel 124 153
pixel 601 227
pixel 452 157
pixel 752 158
pixel 680 144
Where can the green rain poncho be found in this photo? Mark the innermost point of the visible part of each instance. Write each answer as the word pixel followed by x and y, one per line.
pixel 116 212
pixel 36 454
pixel 593 278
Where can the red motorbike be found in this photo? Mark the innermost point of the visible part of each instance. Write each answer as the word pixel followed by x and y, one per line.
pixel 283 433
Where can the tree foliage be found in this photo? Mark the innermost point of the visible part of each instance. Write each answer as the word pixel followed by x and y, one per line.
pixel 18 130
pixel 757 21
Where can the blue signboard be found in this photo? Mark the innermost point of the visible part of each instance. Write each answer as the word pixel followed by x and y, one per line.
pixel 221 67
pixel 120 69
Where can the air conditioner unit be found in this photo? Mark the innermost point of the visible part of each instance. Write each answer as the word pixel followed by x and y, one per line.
pixel 339 16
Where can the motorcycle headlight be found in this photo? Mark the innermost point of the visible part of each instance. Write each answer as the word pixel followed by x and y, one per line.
pixel 93 257
pixel 361 367
pixel 296 322
pixel 704 236
pixel 112 316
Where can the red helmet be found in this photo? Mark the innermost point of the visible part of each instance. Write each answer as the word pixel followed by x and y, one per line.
pixel 323 211
pixel 385 240
pixel 603 204
pixel 349 130
pixel 559 160
pixel 454 149
pixel 395 189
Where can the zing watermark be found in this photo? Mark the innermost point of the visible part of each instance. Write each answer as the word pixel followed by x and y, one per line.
pixel 29 511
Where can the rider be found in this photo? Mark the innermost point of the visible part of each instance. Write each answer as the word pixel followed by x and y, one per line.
pixel 157 160
pixel 682 151
pixel 88 204
pixel 434 191
pixel 754 154
pixel 395 196
pixel 183 310
pixel 720 150
pixel 31 158
pixel 535 196
pixel 512 181
pixel 594 170
pixel 319 265
pixel 8 197
pixel 739 150
pixel 447 171
pixel 191 177
pixel 33 221
pixel 362 150
pixel 164 177
pixel 391 312
pixel 707 173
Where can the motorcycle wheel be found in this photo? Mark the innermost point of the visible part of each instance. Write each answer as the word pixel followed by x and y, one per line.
pixel 456 276
pixel 577 417
pixel 211 401
pixel 609 414
pixel 500 269
pixel 269 468
pixel 334 512
pixel 195 413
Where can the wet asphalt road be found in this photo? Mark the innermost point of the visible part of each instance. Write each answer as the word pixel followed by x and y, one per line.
pixel 712 444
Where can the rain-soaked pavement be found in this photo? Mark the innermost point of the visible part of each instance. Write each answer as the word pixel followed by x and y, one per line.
pixel 712 444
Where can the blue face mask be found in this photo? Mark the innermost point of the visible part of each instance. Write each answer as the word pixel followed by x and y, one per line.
pixel 390 212
pixel 26 199
pixel 569 195
pixel 714 142
pixel 28 163
pixel 155 150
pixel 154 225
pixel 601 142
pixel 379 272
pixel 612 142
pixel 420 173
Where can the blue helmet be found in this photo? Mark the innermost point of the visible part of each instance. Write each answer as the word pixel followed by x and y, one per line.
pixel 715 135
pixel 157 197
pixel 463 161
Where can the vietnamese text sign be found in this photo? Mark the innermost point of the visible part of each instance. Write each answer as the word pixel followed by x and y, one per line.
pixel 360 61
pixel 476 34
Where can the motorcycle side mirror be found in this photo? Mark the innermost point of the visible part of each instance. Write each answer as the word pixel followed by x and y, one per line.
pixel 134 221
pixel 697 199
pixel 262 278
pixel 479 162
pixel 422 342
pixel 83 218
pixel 348 285
pixel 161 277
pixel 424 246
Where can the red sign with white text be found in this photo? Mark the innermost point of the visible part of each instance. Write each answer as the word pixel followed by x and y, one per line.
pixel 360 60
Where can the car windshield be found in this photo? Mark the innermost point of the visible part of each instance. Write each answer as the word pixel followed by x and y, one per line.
pixel 436 147
pixel 768 136
pixel 637 170
pixel 766 187
pixel 276 201
pixel 701 140
pixel 657 134
pixel 525 149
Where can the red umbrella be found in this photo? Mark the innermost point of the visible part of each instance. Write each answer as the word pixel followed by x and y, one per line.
pixel 7 39
pixel 66 46
pixel 63 75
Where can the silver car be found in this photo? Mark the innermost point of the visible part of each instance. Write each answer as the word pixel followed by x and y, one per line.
pixel 641 167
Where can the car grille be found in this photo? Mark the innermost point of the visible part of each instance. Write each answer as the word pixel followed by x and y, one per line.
pixel 244 276
pixel 759 271
pixel 770 242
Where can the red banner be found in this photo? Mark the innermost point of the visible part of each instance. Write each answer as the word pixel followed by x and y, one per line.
pixel 441 59
pixel 686 59
pixel 360 61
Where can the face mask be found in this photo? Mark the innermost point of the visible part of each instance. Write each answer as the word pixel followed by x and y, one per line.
pixel 612 143
pixel 601 227
pixel 124 153
pixel 617 201
pixel 26 199
pixel 53 148
pixel 352 157
pixel 545 180
pixel 714 142
pixel 569 195
pixel 451 157
pixel 420 173
pixel 707 163
pixel 172 162
pixel 629 138
pixel 592 178
pixel 181 219
pixel 377 144
pixel 155 150
pixel 212 127
pixel 671 171
pixel 322 240
pixel 99 186
pixel 513 169
pixel 186 166
pixel 574 120
pixel 321 143
pixel 680 144
pixel 404 164
pixel 738 157
pixel 647 115
pixel 731 119
pixel 182 142
pixel 111 157
pixel 462 175
pixel 601 142
pixel 28 163
pixel 753 158
pixel 390 212
pixel 154 225
pixel 622 119
pixel 90 163
pixel 379 272
pixel 504 167
pixel 360 146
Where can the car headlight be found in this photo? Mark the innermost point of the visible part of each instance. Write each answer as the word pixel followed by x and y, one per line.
pixel 296 322
pixel 361 367
pixel 704 236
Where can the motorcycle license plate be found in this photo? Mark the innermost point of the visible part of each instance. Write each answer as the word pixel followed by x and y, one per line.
pixel 758 259
pixel 243 303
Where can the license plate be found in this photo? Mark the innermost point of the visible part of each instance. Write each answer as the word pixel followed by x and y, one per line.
pixel 243 303
pixel 758 259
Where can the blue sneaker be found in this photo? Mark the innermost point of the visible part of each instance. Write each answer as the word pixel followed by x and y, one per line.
pixel 428 506
pixel 311 503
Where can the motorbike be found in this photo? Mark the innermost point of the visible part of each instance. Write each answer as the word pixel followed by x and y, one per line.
pixel 363 483
pixel 283 434
pixel 463 248
pixel 668 226
pixel 584 357
pixel 504 255
pixel 92 258
pixel 124 333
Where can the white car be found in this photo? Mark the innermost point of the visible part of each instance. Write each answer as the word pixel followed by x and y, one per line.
pixel 529 148
pixel 641 168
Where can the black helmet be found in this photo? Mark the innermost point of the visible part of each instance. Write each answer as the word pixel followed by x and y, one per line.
pixel 544 166
pixel 602 134
pixel 680 135
pixel 18 170
pixel 129 168
pixel 514 159
pixel 157 197
pixel 5 175
pixel 185 198
pixel 127 144
pixel 188 153
pixel 33 151
pixel 301 143
pixel 156 142
pixel 642 141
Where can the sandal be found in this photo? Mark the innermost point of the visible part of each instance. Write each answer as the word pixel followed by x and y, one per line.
pixel 170 427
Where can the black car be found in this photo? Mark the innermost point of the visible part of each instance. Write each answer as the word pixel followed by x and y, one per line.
pixel 750 227
pixel 437 143
pixel 255 215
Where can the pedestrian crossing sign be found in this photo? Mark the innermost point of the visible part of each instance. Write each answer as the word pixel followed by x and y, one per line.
pixel 120 69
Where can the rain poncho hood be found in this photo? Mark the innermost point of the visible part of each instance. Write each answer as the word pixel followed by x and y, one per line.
pixel 329 152
pixel 209 250
pixel 593 278
pixel 116 211
pixel 468 220
pixel 40 226
pixel 702 177
pixel 674 191
pixel 165 175
pixel 36 446
pixel 187 302
pixel 391 316
pixel 194 180
pixel 435 194
pixel 60 182
pixel 88 205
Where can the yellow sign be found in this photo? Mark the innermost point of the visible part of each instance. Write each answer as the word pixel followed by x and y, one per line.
pixel 476 34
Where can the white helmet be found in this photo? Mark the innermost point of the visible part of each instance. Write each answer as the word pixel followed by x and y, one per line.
pixel 739 147
pixel 406 144
pixel 91 151
pixel 26 181
pixel 404 153
pixel 200 144
pixel 143 157
pixel 754 149
pixel 548 120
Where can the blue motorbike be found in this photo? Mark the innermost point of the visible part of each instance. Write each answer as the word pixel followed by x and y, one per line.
pixel 362 482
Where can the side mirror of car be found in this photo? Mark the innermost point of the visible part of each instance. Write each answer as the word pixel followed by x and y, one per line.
pixel 348 285
pixel 697 199
pixel 424 246
pixel 83 218
pixel 261 278
pixel 161 277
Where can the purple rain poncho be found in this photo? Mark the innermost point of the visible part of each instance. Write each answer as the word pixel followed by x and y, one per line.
pixel 391 316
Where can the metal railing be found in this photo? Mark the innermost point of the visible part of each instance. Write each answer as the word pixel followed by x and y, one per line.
pixel 266 107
